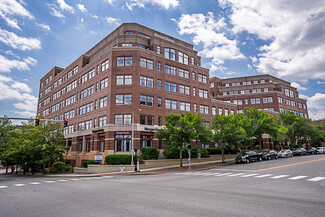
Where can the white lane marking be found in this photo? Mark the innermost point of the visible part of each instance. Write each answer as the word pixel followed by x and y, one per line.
pixel 249 175
pixel 209 174
pixel 224 174
pixel 63 180
pixel 86 178
pixel 35 183
pixel 316 179
pixel 50 181
pixel 75 179
pixel 297 177
pixel 279 177
pixel 263 176
pixel 19 185
pixel 234 170
pixel 237 174
pixel 3 186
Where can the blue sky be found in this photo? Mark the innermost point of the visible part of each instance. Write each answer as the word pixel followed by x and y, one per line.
pixel 284 38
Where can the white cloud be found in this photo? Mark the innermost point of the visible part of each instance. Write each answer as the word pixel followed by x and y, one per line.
pixel 112 20
pixel 316 106
pixel 82 8
pixel 166 4
pixel 20 92
pixel 211 34
pixel 11 8
pixel 7 65
pixel 111 2
pixel 18 42
pixel 21 86
pixel 298 86
pixel 302 96
pixel 55 12
pixel 320 82
pixel 64 6
pixel 249 66
pixel 295 49
pixel 44 26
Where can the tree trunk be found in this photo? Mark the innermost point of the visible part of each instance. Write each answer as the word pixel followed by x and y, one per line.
pixel 12 168
pixel 260 143
pixel 17 168
pixel 43 170
pixel 181 156
pixel 7 167
pixel 33 169
pixel 24 168
pixel 223 153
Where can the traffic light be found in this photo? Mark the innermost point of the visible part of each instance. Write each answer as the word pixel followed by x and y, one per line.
pixel 66 122
pixel 37 121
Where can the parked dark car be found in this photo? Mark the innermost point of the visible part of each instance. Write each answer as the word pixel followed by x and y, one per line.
pixel 312 150
pixel 248 156
pixel 299 151
pixel 268 155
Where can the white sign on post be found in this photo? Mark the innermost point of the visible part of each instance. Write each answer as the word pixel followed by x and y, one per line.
pixel 98 157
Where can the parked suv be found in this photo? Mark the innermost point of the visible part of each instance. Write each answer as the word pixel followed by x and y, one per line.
pixel 299 151
pixel 248 156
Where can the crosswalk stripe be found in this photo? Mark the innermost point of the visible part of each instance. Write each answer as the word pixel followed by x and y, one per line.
pixel 19 185
pixel 3 186
pixel 50 181
pixel 237 174
pixel 297 177
pixel 63 180
pixel 75 179
pixel 224 174
pixel 249 175
pixel 210 174
pixel 316 179
pixel 279 177
pixel 263 176
pixel 35 183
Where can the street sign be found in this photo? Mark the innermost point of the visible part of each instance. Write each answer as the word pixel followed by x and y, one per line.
pixel 189 151
pixel 98 157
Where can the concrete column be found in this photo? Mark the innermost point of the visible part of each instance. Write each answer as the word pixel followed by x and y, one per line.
pixel 83 143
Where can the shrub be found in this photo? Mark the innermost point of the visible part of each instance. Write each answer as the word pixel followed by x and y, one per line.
pixel 59 166
pixel 119 159
pixel 257 147
pixel 216 150
pixel 296 146
pixel 150 153
pixel 172 152
pixel 85 163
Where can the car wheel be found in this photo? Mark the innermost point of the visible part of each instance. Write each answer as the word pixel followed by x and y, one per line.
pixel 260 159
pixel 276 157
pixel 269 158
pixel 247 160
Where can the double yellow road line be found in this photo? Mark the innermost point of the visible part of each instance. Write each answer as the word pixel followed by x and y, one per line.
pixel 288 165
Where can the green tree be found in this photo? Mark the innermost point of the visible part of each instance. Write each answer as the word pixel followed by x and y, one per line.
pixel 258 123
pixel 202 129
pixel 178 130
pixel 317 134
pixel 227 129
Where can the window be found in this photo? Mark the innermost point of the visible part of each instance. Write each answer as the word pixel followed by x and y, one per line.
pixel 258 90
pixel 127 45
pixel 86 108
pixel 124 61
pixel 226 85
pixel 159 84
pixel 69 74
pixel 270 99
pixel 194 91
pixel 304 105
pixel 144 35
pixel 255 82
pixel 204 109
pixel 240 102
pixel 158 49
pixel 182 58
pixel 226 112
pixel 158 66
pixel 101 121
pixel 262 81
pixel 171 104
pixel 169 53
pixel 258 100
pixel 195 108
pixel 122 142
pixel 203 93
pixel 146 120
pixel 103 102
pixel 104 83
pixel 146 81
pixel 129 32
pixel 159 121
pixel 159 102
pixel 146 63
pixel 170 69
pixel 192 60
pixel 246 101
pixel 105 65
pixel 146 100
pixel 123 119
pixel 202 78
pixel 193 76
pixel 124 80
pixel 214 110
pixel 123 99
pixel 280 100
pixel 211 84
pixel 253 101
pixel 266 89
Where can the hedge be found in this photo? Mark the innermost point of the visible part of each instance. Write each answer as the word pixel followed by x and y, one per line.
pixel 150 153
pixel 119 159
pixel 85 163
pixel 60 167
pixel 172 152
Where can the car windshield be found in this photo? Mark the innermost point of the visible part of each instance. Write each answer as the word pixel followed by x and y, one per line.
pixel 242 153
pixel 296 149
pixel 282 151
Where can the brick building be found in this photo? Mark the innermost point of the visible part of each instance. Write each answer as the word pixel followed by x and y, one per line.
pixel 134 75
pixel 264 92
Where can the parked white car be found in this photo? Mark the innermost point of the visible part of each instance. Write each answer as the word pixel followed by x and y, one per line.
pixel 285 153
pixel 320 150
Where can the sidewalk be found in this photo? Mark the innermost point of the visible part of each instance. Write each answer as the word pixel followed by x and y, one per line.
pixel 151 171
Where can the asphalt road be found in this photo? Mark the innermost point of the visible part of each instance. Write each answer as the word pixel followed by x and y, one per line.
pixel 283 187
